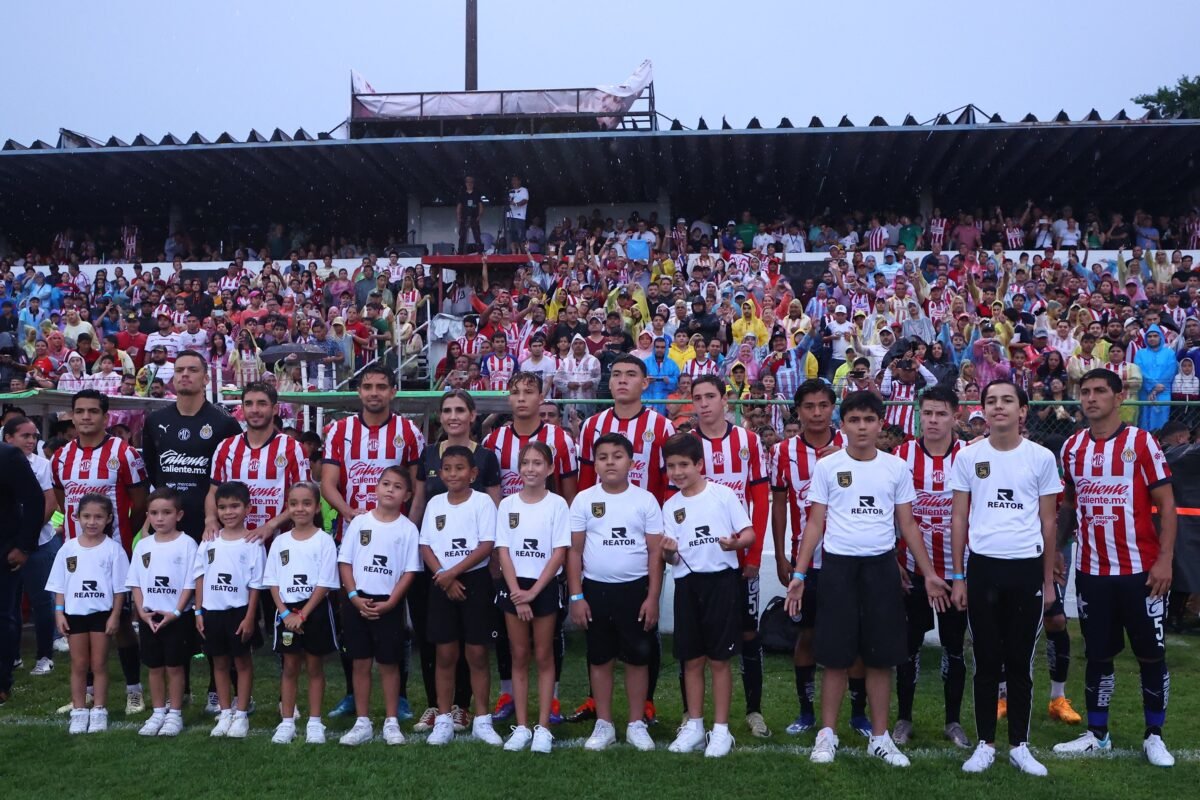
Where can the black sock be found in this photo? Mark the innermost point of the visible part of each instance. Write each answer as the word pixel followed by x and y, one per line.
pixel 907 673
pixel 1058 654
pixel 752 673
pixel 131 664
pixel 1099 682
pixel 683 688
pixel 1156 688
pixel 187 676
pixel 954 680
pixel 405 658
pixel 212 680
pixel 503 658
pixel 858 697
pixel 348 672
pixel 806 689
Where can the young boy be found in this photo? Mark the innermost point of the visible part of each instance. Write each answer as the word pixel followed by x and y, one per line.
pixel 160 576
pixel 458 533
pixel 615 576
pixel 705 524
pixel 228 574
pixel 377 561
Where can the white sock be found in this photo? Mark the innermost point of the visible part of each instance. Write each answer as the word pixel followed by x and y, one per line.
pixel 364 720
pixel 240 715
pixel 386 720
pixel 174 712
pixel 130 688
pixel 160 712
pixel 506 687
pixel 314 720
pixel 720 727
pixel 696 722
pixel 1057 689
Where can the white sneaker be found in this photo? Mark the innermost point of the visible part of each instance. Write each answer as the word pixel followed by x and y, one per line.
pixel 1156 751
pixel 240 728
pixel 425 723
pixel 98 720
pixel 314 733
pixel 981 759
pixel 543 740
pixel 285 731
pixel 44 666
pixel 172 725
pixel 603 735
pixel 391 731
pixel 213 706
pixel 720 742
pixel 825 749
pixel 79 721
pixel 638 735
pixel 519 740
pixel 152 726
pixel 224 722
pixel 884 748
pixel 62 645
pixel 134 703
pixel 689 738
pixel 361 733
pixel 443 731
pixel 757 725
pixel 481 729
pixel 1022 759
pixel 1087 743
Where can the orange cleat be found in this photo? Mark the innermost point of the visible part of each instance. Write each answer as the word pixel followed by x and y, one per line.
pixel 1060 709
pixel 650 713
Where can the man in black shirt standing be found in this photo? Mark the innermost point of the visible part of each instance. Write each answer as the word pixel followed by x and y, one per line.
pixel 18 539
pixel 468 214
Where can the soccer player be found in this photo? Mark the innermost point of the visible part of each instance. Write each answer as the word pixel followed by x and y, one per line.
pixel 706 524
pixel 96 462
pixel 1116 475
pixel 1005 488
pixel 615 573
pixel 860 496
pixel 734 458
pixel 929 459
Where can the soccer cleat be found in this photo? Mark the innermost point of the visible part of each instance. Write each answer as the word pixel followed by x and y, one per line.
pixel 240 728
pixel 882 747
pixel 224 722
pixel 213 706
pixel 88 700
pixel 443 731
pixel 98 720
pixel 519 740
pixel 903 731
pixel 650 713
pixel 556 717
pixel 585 713
pixel 153 725
pixel 1085 744
pixel 285 732
pixel 79 721
pixel 603 735
pixel 1156 751
pixel 361 733
pixel 18 662
pixel 481 729
pixel 425 723
pixel 981 759
pixel 1021 758
pixel 504 707
pixel 757 725
pixel 44 666
pixel 825 750
pixel 955 733
pixel 638 735
pixel 172 725
pixel 1060 709
pixel 862 726
pixel 689 738
pixel 314 732
pixel 460 717
pixel 804 721
pixel 403 710
pixel 720 742
pixel 134 702
pixel 344 708
pixel 543 740
pixel 391 731
pixel 62 645
pixel 1002 708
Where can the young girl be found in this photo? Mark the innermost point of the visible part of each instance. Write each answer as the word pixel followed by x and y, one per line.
pixel 301 571
pixel 532 538
pixel 88 583
pixel 161 580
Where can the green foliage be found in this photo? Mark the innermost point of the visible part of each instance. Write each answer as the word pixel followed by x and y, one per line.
pixel 1181 100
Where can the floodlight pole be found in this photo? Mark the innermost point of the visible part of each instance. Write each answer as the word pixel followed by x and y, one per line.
pixel 472 45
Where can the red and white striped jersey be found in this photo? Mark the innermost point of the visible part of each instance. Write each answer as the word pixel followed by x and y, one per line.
pixel 1112 479
pixel 268 471
pixel 937 231
pixel 506 443
pixel 528 331
pixel 735 460
pixel 1178 315
pixel 791 469
pixel 696 367
pixel 228 284
pixel 647 431
pixel 932 507
pixel 1191 227
pixel 362 452
pixel 902 413
pixel 109 469
pixel 497 370
pixel 938 311
pixel 877 238
pixel 1015 236
pixel 129 236
pixel 475 346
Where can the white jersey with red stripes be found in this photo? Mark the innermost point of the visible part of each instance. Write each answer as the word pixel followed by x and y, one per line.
pixel 474 346
pixel 933 504
pixel 497 370
pixel 791 469
pixel 900 412
pixel 1015 236
pixel 268 471
pixel 362 452
pixel 110 469
pixel 506 443
pixel 647 431
pixel 695 367
pixel 735 460
pixel 937 231
pixel 229 284
pixel 1112 479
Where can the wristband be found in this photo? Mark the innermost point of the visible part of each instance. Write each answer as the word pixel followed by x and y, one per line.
pixel 59 608
pixel 958 576
pixel 576 597
pixel 286 613
pixel 175 611
pixel 353 593
pixel 798 576
pixel 199 612
pixel 440 571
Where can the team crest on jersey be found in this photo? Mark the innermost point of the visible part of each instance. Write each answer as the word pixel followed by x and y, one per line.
pixel 597 510
pixel 72 562
pixel 399 441
pixel 744 453
pixel 206 432
pixel 844 479
pixel 440 521
pixel 514 520
pixel 680 514
pixel 113 463
pixel 648 436
pixel 280 460
pixel 983 469
pixel 212 554
pixel 364 537
pixel 283 557
pixel 145 559
pixel 1128 456
pixel 184 434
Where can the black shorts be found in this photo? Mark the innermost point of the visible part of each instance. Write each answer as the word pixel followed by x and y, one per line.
pixel 615 631
pixel 220 633
pixel 952 623
pixel 94 622
pixel 547 602
pixel 315 637
pixel 749 604
pixel 172 646
pixel 379 639
pixel 1113 606
pixel 709 611
pixel 468 620
pixel 862 612
pixel 810 602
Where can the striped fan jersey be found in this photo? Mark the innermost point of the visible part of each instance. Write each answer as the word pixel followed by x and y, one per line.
pixel 268 471
pixel 362 452
pixel 791 469
pixel 506 443
pixel 110 469
pixel 930 474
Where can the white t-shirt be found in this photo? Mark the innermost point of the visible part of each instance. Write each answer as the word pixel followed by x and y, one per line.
pixel 841 332
pixel 860 499
pixel 697 522
pixel 531 532
pixel 1006 487
pixel 197 341
pixel 169 341
pixel 163 570
pixel 45 478
pixel 515 196
pixel 88 578
pixel 453 531
pixel 616 527
pixel 230 569
pixel 379 553
pixel 298 567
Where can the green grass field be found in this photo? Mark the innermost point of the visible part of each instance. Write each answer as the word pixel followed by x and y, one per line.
pixel 38 758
